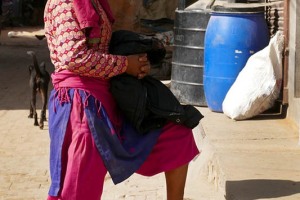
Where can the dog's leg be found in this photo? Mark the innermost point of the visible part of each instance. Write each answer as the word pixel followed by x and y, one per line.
pixel 33 105
pixel 31 86
pixel 44 94
pixel 30 110
pixel 42 119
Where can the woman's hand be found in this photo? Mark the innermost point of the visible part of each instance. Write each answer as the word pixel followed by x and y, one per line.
pixel 138 65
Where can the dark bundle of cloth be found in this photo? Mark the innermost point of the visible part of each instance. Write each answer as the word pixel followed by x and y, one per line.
pixel 126 43
pixel 147 103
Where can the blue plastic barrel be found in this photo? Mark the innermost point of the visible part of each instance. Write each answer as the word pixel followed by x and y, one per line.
pixel 232 36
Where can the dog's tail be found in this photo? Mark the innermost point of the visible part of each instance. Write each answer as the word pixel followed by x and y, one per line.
pixel 35 63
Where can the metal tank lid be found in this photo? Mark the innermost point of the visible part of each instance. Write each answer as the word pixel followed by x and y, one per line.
pixel 238 8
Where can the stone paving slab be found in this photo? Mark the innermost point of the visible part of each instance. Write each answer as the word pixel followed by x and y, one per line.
pixel 253 159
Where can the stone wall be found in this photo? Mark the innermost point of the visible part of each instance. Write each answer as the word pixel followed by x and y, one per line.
pixel 129 12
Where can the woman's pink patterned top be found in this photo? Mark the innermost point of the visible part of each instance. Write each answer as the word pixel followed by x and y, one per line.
pixel 70 48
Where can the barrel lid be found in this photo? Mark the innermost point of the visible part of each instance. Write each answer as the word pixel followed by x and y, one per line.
pixel 238 8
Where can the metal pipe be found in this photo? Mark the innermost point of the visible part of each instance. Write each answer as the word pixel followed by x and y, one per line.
pixel 286 32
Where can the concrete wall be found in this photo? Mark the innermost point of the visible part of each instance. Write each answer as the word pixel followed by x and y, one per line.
pixel 294 63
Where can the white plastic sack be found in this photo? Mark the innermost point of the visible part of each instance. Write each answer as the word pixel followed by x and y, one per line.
pixel 258 84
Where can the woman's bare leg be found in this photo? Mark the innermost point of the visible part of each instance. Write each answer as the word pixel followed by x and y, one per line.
pixel 175 180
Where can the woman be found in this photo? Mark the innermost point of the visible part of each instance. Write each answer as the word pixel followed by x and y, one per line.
pixel 88 133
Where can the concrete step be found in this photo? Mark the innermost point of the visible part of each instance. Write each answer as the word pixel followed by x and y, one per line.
pixel 251 159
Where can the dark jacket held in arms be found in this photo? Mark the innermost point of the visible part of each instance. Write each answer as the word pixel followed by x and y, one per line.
pixel 147 103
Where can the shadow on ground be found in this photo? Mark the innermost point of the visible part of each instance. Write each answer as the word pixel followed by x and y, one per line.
pixel 260 189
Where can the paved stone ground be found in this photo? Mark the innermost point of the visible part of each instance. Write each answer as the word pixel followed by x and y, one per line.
pixel 24 148
pixel 242 160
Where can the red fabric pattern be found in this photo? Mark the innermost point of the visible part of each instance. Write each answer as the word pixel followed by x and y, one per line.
pixel 69 47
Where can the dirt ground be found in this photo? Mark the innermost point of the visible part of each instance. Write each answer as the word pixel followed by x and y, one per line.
pixel 24 148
